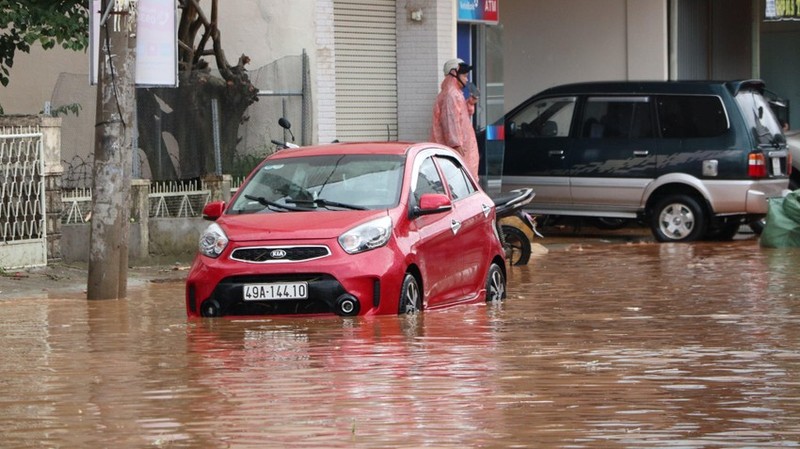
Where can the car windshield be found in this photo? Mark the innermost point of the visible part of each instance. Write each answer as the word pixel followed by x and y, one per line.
pixel 331 182
pixel 760 118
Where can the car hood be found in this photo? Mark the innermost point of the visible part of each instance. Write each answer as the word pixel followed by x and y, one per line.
pixel 294 225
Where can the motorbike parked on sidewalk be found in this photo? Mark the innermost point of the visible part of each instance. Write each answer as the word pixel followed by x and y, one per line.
pixel 515 241
pixel 282 145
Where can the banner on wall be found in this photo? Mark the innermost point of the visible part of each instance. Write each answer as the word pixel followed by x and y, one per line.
pixel 479 11
pixel 778 10
pixel 156 42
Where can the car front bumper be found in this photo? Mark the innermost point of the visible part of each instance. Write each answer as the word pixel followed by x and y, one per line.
pixel 361 284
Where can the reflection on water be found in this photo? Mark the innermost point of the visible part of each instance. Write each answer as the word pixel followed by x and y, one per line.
pixel 639 345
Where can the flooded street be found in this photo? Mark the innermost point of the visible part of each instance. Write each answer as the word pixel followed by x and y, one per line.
pixel 635 345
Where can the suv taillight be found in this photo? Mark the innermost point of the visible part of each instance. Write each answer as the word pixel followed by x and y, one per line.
pixel 757 165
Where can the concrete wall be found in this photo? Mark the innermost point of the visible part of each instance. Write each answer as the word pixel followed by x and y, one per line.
pixel 34 75
pixel 554 42
pixel 170 238
pixel 780 63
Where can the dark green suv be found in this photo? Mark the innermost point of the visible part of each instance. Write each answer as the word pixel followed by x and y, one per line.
pixel 693 159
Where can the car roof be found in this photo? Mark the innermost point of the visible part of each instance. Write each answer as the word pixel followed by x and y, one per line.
pixel 652 87
pixel 383 147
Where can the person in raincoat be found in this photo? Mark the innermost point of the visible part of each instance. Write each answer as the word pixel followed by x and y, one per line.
pixel 452 125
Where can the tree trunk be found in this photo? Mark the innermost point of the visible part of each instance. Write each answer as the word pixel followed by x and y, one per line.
pixel 116 102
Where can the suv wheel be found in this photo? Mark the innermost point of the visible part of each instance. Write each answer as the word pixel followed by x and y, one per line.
pixel 678 218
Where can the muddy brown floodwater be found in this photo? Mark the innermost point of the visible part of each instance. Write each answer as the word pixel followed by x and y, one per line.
pixel 600 344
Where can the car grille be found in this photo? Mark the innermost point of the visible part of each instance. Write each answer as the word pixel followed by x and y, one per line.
pixel 280 254
pixel 323 289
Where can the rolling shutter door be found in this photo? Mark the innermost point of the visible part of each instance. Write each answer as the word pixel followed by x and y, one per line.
pixel 366 69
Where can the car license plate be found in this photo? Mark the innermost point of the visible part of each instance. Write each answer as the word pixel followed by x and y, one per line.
pixel 776 166
pixel 282 290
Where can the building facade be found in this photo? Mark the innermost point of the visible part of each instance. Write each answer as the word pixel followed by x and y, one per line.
pixel 376 65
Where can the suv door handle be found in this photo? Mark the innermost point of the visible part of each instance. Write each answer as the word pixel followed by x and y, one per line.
pixel 641 153
pixel 559 153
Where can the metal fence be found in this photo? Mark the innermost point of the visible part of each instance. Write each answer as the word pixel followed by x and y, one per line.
pixel 23 236
pixel 172 199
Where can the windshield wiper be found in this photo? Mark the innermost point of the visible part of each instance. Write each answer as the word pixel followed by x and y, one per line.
pixel 265 202
pixel 326 203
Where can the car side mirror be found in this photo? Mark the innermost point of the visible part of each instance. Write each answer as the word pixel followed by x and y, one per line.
pixel 432 203
pixel 213 210
pixel 512 128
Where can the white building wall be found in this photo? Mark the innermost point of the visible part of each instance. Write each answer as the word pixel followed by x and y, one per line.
pixel 422 48
pixel 323 73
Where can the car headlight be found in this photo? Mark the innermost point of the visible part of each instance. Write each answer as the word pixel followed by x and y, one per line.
pixel 213 241
pixel 367 236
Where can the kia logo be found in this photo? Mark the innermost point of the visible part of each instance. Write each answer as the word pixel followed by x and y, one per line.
pixel 277 254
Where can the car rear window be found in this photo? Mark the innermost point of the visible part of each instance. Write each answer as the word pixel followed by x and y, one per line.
pixel 691 116
pixel 759 116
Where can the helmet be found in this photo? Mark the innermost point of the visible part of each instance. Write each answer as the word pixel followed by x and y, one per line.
pixel 457 64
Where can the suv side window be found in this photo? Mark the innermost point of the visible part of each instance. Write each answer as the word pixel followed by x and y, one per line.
pixel 617 118
pixel 691 116
pixel 549 117
pixel 460 186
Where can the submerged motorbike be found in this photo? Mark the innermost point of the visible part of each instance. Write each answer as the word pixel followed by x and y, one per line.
pixel 515 241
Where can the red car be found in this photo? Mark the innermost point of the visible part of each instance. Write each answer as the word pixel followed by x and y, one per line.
pixel 349 229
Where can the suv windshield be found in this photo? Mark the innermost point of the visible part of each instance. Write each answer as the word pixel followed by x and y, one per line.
pixel 760 118
pixel 334 182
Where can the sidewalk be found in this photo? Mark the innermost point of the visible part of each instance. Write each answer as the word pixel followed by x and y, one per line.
pixel 70 280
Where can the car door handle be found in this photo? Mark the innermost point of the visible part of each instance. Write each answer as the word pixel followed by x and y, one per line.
pixel 559 153
pixel 455 225
pixel 641 153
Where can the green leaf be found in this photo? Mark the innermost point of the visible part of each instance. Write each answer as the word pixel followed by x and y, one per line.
pixel 48 22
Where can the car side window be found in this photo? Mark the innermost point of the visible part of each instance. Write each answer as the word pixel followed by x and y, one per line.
pixel 691 116
pixel 549 117
pixel 428 180
pixel 456 177
pixel 617 118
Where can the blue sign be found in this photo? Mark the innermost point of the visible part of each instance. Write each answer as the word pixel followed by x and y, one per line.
pixel 479 11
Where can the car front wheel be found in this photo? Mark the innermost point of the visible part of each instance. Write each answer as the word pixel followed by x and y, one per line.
pixel 495 284
pixel 410 296
pixel 678 218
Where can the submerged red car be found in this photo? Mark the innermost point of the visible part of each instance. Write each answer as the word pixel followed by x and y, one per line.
pixel 349 229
